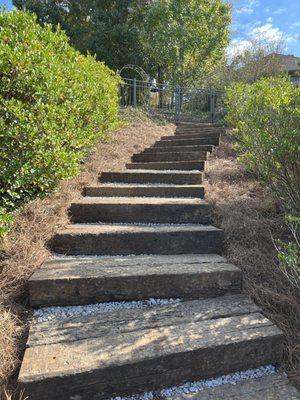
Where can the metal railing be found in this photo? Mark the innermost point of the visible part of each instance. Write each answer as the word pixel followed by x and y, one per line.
pixel 177 103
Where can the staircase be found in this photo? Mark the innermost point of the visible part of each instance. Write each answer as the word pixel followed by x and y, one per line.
pixel 144 233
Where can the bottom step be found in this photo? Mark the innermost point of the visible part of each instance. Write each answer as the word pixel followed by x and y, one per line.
pixel 273 387
pixel 132 351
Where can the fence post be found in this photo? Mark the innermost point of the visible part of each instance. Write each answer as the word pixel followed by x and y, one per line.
pixel 212 107
pixel 177 104
pixel 134 92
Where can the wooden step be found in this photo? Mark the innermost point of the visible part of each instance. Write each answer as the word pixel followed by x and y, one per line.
pixel 169 165
pixel 188 142
pixel 132 351
pixel 173 177
pixel 73 281
pixel 273 387
pixel 177 149
pixel 122 239
pixel 141 209
pixel 178 156
pixel 192 135
pixel 199 131
pixel 127 190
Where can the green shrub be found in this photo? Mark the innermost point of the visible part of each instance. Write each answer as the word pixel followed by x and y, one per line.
pixel 266 121
pixel 54 104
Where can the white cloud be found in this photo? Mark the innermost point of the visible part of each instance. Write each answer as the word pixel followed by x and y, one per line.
pixel 248 7
pixel 267 32
pixel 270 19
pixel 279 11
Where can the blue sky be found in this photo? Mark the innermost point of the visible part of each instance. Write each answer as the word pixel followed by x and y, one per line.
pixel 272 19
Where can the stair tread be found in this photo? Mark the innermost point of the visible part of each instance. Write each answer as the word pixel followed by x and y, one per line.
pixel 141 200
pixel 81 327
pixel 128 228
pixel 77 352
pixel 156 172
pixel 176 149
pixel 273 387
pixel 74 281
pixel 79 269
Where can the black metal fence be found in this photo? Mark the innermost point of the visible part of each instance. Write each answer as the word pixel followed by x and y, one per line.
pixel 177 103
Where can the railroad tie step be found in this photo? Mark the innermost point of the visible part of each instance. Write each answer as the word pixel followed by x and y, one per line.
pixel 187 142
pixel 273 387
pixel 192 135
pixel 148 190
pixel 169 177
pixel 169 165
pixel 179 149
pixel 74 281
pixel 172 156
pixel 126 239
pixel 132 351
pixel 141 210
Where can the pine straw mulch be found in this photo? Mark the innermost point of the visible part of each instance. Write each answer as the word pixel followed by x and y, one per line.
pixel 251 220
pixel 24 249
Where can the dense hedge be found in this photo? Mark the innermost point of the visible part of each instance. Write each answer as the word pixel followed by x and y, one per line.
pixel 266 118
pixel 54 104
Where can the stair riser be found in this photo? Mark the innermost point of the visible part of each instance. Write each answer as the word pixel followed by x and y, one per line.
pixel 144 213
pixel 156 374
pixel 163 157
pixel 173 179
pixel 176 166
pixel 183 242
pixel 155 191
pixel 192 135
pixel 178 149
pixel 187 142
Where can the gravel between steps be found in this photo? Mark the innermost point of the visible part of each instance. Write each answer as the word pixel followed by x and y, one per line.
pixel 198 386
pixel 60 313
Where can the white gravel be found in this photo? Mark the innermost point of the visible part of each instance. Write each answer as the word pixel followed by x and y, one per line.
pixel 61 313
pixel 198 386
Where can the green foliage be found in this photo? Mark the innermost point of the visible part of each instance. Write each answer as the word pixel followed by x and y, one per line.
pixel 266 118
pixel 101 27
pixel 54 104
pixel 184 39
pixel 176 40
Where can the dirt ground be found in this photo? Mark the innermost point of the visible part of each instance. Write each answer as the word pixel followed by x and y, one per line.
pixel 251 221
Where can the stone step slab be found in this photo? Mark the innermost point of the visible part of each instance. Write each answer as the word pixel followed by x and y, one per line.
pixel 93 358
pixel 273 387
pixel 141 209
pixel 169 165
pixel 124 239
pixel 179 149
pixel 150 190
pixel 74 281
pixel 187 142
pixel 150 176
pixel 163 157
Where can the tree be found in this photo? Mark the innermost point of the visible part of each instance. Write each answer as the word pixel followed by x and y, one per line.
pixel 101 27
pixel 183 39
pixel 258 60
pixel 176 40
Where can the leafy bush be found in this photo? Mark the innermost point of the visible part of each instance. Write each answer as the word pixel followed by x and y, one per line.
pixel 54 104
pixel 266 121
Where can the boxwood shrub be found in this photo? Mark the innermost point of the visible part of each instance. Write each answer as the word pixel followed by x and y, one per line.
pixel 54 104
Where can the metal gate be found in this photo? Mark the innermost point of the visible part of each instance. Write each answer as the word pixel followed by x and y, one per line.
pixel 176 103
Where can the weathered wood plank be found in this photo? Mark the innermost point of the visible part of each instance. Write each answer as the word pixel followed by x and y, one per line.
pixel 144 359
